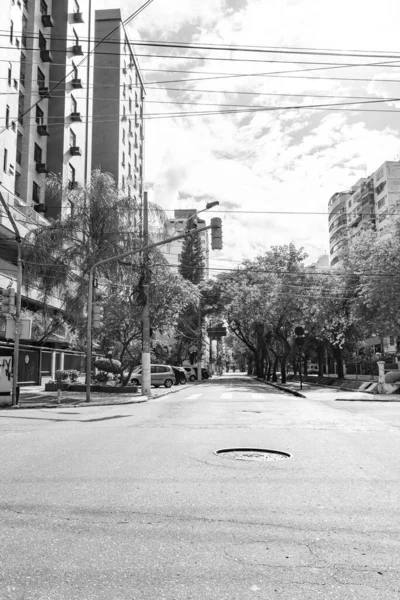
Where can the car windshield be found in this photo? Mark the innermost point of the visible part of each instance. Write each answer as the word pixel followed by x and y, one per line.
pixel 136 369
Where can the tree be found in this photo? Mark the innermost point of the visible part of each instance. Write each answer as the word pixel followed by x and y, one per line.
pixel 99 223
pixel 122 333
pixel 192 263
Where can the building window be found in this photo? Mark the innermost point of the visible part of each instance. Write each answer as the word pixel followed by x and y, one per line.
pixel 76 38
pixel 11 32
pixel 71 174
pixel 18 158
pixel 21 108
pixel 130 106
pixel 7 116
pixel 35 192
pixel 135 155
pixel 129 148
pixel 382 202
pixel 41 78
pixel 129 170
pixel 123 182
pixel 136 99
pixel 23 33
pixel 37 154
pixel 22 70
pixel 123 159
pixel 39 116
pixel 75 71
pixel 5 159
pixel 42 41
pixel 379 174
pixel 136 141
pixel 123 136
pixel 74 105
pixel 43 7
pixel 72 138
pixel 9 77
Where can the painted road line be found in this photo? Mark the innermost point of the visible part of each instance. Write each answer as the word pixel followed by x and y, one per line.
pixel 226 396
pixel 193 397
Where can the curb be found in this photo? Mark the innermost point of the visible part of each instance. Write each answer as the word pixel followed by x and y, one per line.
pixel 73 404
pixel 281 388
pixel 338 389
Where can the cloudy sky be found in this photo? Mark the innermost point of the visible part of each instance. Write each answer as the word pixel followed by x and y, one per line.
pixel 266 167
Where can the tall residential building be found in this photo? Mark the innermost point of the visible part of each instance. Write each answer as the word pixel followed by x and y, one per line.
pixel 118 95
pixel 368 203
pixel 172 251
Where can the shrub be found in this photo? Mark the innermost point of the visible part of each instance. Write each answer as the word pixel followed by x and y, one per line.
pixel 108 365
pixel 70 374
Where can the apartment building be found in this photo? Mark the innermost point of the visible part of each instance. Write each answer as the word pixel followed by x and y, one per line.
pixel 118 95
pixel 177 225
pixel 368 203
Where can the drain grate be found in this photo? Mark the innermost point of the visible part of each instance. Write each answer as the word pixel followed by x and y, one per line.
pixel 254 454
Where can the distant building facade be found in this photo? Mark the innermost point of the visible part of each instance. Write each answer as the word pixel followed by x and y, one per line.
pixel 118 90
pixel 368 203
pixel 172 252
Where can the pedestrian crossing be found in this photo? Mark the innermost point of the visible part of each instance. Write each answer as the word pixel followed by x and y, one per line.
pixel 230 396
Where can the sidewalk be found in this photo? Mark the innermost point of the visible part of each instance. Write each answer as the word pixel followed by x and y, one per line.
pixel 37 397
pixel 316 392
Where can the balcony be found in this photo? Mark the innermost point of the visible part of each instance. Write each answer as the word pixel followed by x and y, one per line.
pixel 77 84
pixel 41 168
pixel 75 151
pixel 42 130
pixel 72 185
pixel 77 50
pixel 47 21
pixel 76 117
pixel 125 70
pixel 124 118
pixel 78 17
pixel 45 56
pixel 44 92
pixel 40 208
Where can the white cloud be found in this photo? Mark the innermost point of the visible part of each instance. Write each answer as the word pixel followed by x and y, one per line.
pixel 290 161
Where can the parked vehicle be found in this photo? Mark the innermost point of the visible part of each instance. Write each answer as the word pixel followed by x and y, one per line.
pixel 191 373
pixel 160 375
pixel 180 375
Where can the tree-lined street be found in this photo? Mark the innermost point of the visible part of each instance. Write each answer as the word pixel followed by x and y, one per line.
pixel 131 501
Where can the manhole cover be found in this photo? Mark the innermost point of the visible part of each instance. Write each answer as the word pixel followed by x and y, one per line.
pixel 255 454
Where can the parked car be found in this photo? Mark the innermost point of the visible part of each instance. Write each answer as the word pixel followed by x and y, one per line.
pixel 191 373
pixel 160 375
pixel 180 375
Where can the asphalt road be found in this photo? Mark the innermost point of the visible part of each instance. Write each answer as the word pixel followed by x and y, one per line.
pixel 130 502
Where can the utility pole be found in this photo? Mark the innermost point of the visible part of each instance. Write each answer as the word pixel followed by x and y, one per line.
pixel 199 344
pixel 18 239
pixel 146 374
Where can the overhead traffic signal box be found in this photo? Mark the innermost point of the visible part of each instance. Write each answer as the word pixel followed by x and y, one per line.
pixel 216 233
pixel 97 316
pixel 8 301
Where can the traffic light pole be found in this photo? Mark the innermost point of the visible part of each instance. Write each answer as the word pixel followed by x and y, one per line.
pixel 143 249
pixel 146 371
pixel 199 344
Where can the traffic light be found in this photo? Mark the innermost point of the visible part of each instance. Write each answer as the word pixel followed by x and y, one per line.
pixel 8 301
pixel 97 316
pixel 216 233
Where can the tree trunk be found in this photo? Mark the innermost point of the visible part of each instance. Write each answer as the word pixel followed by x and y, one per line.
pixel 283 370
pixel 274 375
pixel 321 356
pixel 339 362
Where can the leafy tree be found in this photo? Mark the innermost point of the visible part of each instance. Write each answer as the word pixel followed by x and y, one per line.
pixel 192 263
pixel 99 223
